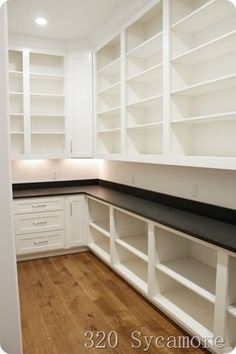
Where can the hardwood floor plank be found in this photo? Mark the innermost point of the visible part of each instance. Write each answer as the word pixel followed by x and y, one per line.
pixel 63 297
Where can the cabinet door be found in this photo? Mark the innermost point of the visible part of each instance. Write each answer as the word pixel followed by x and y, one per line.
pixel 75 222
pixel 81 106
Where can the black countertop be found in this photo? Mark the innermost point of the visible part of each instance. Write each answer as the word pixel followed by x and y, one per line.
pixel 219 233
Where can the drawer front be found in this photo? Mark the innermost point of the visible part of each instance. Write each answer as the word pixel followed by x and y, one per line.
pixel 39 222
pixel 26 206
pixel 40 242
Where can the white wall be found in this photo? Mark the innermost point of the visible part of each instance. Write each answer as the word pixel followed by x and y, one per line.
pixel 42 170
pixel 214 186
pixel 10 332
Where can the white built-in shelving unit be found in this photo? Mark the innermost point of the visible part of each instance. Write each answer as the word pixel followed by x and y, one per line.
pixel 144 88
pixel 178 82
pixel 192 281
pixel 203 57
pixel 37 104
pixel 108 87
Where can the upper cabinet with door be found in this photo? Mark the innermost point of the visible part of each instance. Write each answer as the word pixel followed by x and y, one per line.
pixel 165 86
pixel 40 105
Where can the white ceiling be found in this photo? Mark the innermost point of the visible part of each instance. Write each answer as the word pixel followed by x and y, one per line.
pixel 67 19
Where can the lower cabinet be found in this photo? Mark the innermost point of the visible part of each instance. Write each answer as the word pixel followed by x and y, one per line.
pixel 53 224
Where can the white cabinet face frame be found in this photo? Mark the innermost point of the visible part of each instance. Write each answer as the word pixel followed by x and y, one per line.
pixel 190 280
pixel 191 118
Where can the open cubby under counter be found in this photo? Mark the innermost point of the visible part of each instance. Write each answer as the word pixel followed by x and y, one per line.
pixel 99 216
pixel 188 262
pixel 99 244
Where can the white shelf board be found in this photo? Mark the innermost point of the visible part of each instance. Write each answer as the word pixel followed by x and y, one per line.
pixel 111 68
pixel 16 114
pixel 112 130
pixel 101 226
pixel 47 133
pixel 145 126
pixel 209 86
pixel 16 133
pixel 232 310
pixel 148 75
pixel 209 50
pixel 35 75
pixel 210 118
pixel 131 276
pixel 111 90
pixel 46 95
pixel 195 275
pixel 15 73
pixel 99 251
pixel 13 93
pixel 147 48
pixel 203 17
pixel 48 115
pixel 146 102
pixel 110 111
pixel 192 312
pixel 138 245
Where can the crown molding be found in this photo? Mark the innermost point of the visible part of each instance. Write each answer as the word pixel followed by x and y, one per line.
pixel 117 19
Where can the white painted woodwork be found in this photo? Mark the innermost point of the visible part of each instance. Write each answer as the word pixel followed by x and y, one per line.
pixel 179 66
pixel 80 96
pixel 10 329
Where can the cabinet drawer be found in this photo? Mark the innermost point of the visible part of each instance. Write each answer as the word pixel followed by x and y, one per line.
pixel 40 242
pixel 25 206
pixel 39 222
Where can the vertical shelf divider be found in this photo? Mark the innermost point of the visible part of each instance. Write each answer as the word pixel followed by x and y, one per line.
pixel 26 101
pixel 123 94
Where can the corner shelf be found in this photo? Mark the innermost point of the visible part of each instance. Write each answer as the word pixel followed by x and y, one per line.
pixel 99 216
pixel 148 47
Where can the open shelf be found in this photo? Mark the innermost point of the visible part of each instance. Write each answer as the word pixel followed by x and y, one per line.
pixel 109 102
pixel 109 75
pixel 206 139
pixel 17 123
pixel 111 90
pixel 109 120
pixel 206 15
pixel 17 144
pixel 132 234
pixel 145 141
pixel 46 105
pixel 109 142
pixel 188 262
pixel 192 311
pixel 46 86
pixel 46 64
pixel 133 268
pixel 145 28
pixel 139 91
pixel 207 118
pixel 109 54
pixel 100 244
pixel 147 75
pixel 48 124
pixel 99 214
pixel 214 19
pixel 138 116
pixel 146 102
pixel 47 143
pixel 15 61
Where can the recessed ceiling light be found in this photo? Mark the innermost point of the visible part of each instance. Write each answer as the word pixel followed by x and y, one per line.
pixel 41 21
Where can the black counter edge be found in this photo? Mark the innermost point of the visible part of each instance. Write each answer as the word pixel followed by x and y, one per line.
pixel 199 208
pixel 54 184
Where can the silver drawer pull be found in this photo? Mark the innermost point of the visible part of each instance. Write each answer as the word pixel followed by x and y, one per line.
pixel 39 205
pixel 39 222
pixel 44 242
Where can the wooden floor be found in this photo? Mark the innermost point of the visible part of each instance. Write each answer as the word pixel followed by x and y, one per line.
pixel 63 297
